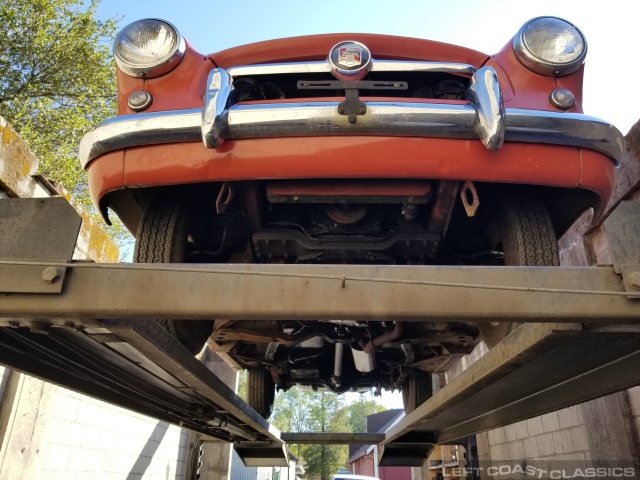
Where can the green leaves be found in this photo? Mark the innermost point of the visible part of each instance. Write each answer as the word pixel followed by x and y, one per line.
pixel 57 81
pixel 301 410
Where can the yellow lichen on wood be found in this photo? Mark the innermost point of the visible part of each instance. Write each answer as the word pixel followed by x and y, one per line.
pixel 8 134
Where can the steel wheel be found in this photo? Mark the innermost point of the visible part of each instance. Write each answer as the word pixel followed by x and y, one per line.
pixel 417 389
pixel 261 391
pixel 163 237
pixel 520 225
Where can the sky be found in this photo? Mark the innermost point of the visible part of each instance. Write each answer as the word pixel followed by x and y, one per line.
pixel 611 70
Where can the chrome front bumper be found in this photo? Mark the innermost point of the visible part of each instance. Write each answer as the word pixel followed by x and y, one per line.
pixel 484 119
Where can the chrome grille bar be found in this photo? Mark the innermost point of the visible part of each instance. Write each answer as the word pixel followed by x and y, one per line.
pixel 377 66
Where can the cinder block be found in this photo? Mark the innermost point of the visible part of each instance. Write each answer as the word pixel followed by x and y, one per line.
pixel 510 433
pixel 562 441
pixel 516 450
pixel 634 398
pixel 531 448
pixel 579 438
pixel 575 456
pixel 499 452
pixel 499 435
pixel 491 437
pixel 87 413
pixel 580 415
pixel 95 460
pixel 568 417
pixel 545 444
pixel 57 458
pixel 521 430
pixel 107 440
pixel 66 407
pixel 78 460
pixel 534 426
pixel 72 434
pixel 550 422
pixel 91 436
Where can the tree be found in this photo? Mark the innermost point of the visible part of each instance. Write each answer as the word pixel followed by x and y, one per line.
pixel 359 410
pixel 328 415
pixel 57 81
pixel 302 410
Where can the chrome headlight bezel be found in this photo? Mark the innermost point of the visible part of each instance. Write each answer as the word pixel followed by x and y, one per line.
pixel 534 62
pixel 163 64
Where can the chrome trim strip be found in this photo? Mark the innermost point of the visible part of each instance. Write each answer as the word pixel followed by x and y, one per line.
pixel 377 66
pixel 415 66
pixel 278 68
pixel 219 88
pixel 571 129
pixel 141 129
pixel 485 95
pixel 321 118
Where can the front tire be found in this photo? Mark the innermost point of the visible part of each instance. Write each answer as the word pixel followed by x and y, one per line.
pixel 164 236
pixel 521 226
pixel 417 389
pixel 261 391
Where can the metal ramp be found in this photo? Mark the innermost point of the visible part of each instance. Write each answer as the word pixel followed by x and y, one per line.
pixel 89 327
pixel 139 366
pixel 537 369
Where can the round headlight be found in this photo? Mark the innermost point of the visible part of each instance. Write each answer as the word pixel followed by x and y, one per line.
pixel 550 46
pixel 148 48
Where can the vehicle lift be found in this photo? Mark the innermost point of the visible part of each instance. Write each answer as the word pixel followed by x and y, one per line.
pixel 91 327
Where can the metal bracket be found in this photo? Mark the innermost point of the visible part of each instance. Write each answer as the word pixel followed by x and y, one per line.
pixel 31 279
pixel 352 105
pixel 349 85
pixel 469 190
pixel 36 230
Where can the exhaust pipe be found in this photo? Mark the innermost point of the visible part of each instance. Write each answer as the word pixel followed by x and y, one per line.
pixel 398 328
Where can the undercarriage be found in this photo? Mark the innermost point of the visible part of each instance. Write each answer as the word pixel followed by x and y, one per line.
pixel 364 221
pixel 342 355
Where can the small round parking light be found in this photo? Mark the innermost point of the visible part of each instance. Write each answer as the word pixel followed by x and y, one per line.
pixel 139 100
pixel 562 98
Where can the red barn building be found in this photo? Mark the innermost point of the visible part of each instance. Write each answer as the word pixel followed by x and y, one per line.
pixel 363 459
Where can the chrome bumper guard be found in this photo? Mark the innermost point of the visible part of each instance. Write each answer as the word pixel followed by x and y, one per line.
pixel 484 118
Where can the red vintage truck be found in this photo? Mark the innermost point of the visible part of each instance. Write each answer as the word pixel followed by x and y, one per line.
pixel 348 149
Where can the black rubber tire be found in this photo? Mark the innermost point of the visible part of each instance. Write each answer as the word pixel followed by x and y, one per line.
pixel 528 239
pixel 417 389
pixel 162 238
pixel 261 391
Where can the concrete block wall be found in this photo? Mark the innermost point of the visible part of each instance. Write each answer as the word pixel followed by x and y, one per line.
pixel 558 435
pixel 55 434
pixel 600 433
pixel 48 432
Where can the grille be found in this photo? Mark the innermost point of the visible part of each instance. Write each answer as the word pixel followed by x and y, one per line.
pixel 423 79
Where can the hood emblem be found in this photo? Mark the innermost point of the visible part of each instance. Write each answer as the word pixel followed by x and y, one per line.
pixel 350 56
pixel 350 60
